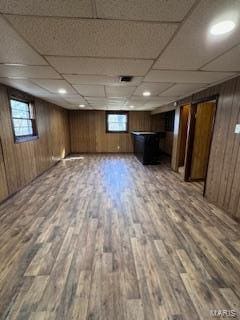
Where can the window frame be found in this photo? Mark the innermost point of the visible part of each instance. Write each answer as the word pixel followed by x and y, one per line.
pixel 31 106
pixel 126 113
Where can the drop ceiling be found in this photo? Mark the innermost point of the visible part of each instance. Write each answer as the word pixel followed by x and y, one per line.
pixel 84 46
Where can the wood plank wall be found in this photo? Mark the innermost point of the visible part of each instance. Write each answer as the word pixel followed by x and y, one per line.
pixel 158 124
pixel 25 161
pixel 222 185
pixel 88 132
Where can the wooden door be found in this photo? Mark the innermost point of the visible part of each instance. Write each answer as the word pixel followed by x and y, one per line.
pixel 204 120
pixel 3 180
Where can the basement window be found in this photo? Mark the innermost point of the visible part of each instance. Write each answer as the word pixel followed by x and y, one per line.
pixel 23 120
pixel 116 122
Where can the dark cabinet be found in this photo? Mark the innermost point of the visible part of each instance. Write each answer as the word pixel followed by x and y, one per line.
pixel 146 146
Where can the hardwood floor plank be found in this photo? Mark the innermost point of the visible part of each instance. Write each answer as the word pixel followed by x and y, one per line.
pixel 103 237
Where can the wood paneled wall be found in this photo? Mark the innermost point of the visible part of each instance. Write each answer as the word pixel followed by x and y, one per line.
pixel 25 161
pixel 167 143
pixel 88 132
pixel 223 176
pixel 158 124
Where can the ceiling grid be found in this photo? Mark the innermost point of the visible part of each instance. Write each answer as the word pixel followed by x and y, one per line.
pixel 84 46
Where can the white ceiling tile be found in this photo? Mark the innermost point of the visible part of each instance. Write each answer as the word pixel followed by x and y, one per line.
pixel 99 66
pixel 181 89
pixel 99 50
pixel 24 85
pixel 11 71
pixel 14 50
pixel 148 103
pixel 69 8
pixel 119 91
pixel 105 99
pixel 120 103
pixel 49 95
pixel 59 102
pixel 54 85
pixel 156 105
pixel 136 102
pixel 86 37
pixel 104 103
pixel 193 46
pixel 112 108
pixel 154 88
pixel 90 90
pixel 65 104
pixel 74 99
pixel 145 108
pixel 99 79
pixel 151 10
pixel 90 79
pixel 117 106
pixel 186 76
pixel 96 100
pixel 230 61
pixel 114 103
pixel 68 101
pixel 100 108
pixel 158 101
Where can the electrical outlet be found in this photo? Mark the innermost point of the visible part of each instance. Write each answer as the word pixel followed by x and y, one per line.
pixel 237 128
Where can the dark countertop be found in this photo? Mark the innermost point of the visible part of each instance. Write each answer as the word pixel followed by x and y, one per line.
pixel 143 132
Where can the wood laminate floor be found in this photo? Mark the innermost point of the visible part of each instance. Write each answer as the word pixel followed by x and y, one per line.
pixel 103 237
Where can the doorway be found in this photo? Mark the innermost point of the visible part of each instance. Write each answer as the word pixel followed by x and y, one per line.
pixel 204 120
pixel 183 131
pixel 195 136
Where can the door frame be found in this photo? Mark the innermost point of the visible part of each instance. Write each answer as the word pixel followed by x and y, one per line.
pixel 191 134
pixel 2 159
pixel 190 141
pixel 177 136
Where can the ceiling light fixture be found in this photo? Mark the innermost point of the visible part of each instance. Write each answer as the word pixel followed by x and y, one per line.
pixel 82 106
pixel 146 93
pixel 222 27
pixel 131 107
pixel 62 91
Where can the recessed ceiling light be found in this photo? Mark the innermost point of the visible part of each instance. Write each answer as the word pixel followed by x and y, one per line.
pixel 222 27
pixel 82 106
pixel 62 91
pixel 146 93
pixel 131 107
